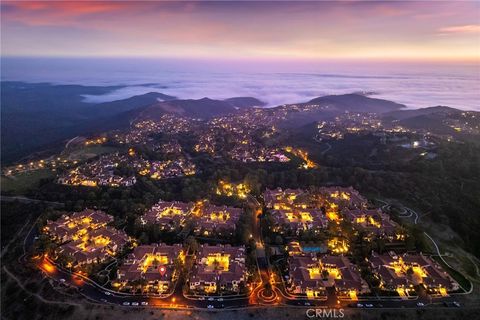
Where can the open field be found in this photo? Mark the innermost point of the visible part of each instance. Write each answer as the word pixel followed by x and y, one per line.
pixel 24 181
pixel 85 153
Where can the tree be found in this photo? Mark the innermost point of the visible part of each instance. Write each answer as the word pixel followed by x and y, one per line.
pixel 278 240
pixel 325 274
pixel 192 244
pixel 144 238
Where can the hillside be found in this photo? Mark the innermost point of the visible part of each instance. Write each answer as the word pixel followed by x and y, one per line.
pixel 119 106
pixel 439 120
pixel 245 102
pixel 357 103
pixel 37 116
pixel 204 108
pixel 404 114
pixel 34 116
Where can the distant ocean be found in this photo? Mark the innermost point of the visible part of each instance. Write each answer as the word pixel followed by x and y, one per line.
pixel 414 85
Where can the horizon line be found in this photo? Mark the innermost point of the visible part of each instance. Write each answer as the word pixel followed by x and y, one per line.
pixel 474 60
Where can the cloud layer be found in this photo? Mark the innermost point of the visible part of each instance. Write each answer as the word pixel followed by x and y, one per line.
pixel 416 85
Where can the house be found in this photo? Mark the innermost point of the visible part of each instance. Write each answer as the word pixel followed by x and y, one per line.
pixel 216 220
pixel 85 237
pixel 74 226
pixel 311 275
pixel 401 272
pixel 217 268
pixel 299 219
pixel 305 276
pixel 292 209
pixel 169 215
pixel 281 199
pixel 373 221
pixel 154 265
pixel 345 275
pixel 343 197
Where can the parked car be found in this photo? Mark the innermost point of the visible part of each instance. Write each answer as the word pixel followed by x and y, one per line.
pixel 220 299
pixel 135 304
pixel 126 303
pixel 456 304
pixel 307 304
pixel 369 305
pixel 420 304
pixel 107 293
pixel 201 298
pixel 210 306
pixel 211 299
pixel 359 305
pixel 144 303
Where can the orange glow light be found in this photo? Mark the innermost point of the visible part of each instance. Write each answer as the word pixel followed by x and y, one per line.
pixel 48 267
pixel 78 281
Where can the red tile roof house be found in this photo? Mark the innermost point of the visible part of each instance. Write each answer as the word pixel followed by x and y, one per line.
pixel 436 277
pixel 216 220
pixel 344 197
pixel 74 225
pixel 293 210
pixel 329 197
pixel 372 220
pixel 218 268
pixel 301 280
pixel 85 237
pixel 311 276
pixel 278 198
pixel 169 215
pixel 299 220
pixel 99 246
pixel 398 272
pixel 154 265
pixel 349 280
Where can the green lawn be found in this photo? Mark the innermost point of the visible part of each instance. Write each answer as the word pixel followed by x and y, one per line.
pixel 24 181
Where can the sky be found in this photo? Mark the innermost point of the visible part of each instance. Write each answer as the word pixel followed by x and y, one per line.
pixel 261 31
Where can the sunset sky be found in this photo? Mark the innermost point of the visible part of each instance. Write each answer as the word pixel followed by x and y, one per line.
pixel 428 30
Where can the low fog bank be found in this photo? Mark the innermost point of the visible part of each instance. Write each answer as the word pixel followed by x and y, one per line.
pixel 416 86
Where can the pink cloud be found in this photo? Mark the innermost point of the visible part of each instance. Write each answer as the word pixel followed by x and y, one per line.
pixel 65 8
pixel 53 13
pixel 219 28
pixel 469 28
